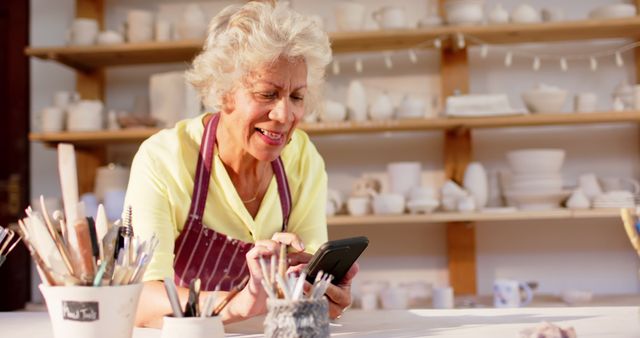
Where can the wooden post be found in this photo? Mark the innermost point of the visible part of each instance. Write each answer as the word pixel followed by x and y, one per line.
pixel 458 152
pixel 90 86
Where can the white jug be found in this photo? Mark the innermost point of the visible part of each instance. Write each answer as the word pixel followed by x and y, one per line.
pixel 382 108
pixel 356 101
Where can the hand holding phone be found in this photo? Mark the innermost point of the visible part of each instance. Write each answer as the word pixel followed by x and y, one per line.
pixel 336 258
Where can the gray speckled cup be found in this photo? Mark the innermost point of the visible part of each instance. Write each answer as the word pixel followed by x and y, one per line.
pixel 297 319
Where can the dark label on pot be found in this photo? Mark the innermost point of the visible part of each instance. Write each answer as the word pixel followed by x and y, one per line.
pixel 80 311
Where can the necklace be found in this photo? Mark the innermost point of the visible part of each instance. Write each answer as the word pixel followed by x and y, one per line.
pixel 255 196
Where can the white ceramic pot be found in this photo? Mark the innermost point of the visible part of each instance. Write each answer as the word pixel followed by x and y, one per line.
pixel 498 15
pixel 110 38
pixel 464 12
pixel 333 111
pixel 356 101
pixel 139 26
pixel 476 183
pixel 388 204
pixel 85 115
pixel 98 312
pixel 525 13
pixel 83 32
pixel 359 206
pixel 349 15
pixel 411 107
pixel 390 17
pixel 194 327
pixel 193 25
pixel 403 176
pixel 110 177
pixel 382 108
pixel 586 102
pixel 52 120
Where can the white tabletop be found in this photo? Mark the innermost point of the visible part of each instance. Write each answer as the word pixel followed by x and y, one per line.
pixel 605 322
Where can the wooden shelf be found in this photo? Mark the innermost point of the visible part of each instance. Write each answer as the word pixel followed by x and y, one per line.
pixel 133 135
pixel 470 122
pixel 91 57
pixel 140 134
pixel 445 217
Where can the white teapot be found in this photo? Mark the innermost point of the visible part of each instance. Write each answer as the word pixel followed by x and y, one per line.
pixel 382 108
pixel 411 107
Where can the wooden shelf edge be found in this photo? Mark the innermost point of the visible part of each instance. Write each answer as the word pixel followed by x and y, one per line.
pixel 103 137
pixel 88 57
pixel 446 217
pixel 134 135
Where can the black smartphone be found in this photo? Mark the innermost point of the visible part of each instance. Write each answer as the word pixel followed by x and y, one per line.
pixel 336 258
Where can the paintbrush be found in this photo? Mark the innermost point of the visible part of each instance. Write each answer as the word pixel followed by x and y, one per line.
pixel 230 296
pixel 630 228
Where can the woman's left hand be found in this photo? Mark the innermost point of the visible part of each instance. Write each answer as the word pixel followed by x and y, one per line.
pixel 339 295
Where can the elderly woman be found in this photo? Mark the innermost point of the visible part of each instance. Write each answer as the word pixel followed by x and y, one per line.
pixel 223 189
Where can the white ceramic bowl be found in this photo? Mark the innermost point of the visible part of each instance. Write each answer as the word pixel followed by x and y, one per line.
pixel 425 206
pixel 538 184
pixel 537 200
pixel 613 11
pixel 333 111
pixel 531 161
pixel 388 204
pixel 545 101
pixel 464 12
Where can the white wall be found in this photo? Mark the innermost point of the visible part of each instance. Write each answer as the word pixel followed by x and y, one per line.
pixel 590 254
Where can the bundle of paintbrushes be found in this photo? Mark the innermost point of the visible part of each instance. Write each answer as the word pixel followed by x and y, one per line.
pixel 210 307
pixel 81 250
pixel 632 227
pixel 291 312
pixel 7 243
pixel 88 253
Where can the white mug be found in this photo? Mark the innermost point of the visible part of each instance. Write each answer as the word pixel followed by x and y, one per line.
pixel 139 26
pixel 442 298
pixel 52 120
pixel 83 32
pixel 359 206
pixel 506 293
pixel 163 30
pixel 349 16
pixel 390 17
pixel 62 99
pixel 586 102
pixel 85 115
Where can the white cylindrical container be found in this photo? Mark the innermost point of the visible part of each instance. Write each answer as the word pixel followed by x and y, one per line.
pixel 193 327
pixel 403 176
pixel 442 298
pixel 96 312
pixel 52 120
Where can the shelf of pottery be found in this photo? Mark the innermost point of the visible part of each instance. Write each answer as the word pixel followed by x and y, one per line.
pixel 153 38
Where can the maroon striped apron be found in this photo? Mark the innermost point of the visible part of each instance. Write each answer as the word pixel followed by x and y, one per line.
pixel 200 252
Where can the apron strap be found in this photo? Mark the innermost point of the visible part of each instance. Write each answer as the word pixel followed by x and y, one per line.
pixel 203 177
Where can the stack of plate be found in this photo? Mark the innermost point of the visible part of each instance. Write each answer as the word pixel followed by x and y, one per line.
pixel 615 199
pixel 537 180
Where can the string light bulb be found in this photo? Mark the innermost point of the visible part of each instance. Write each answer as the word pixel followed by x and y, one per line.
pixel 412 56
pixel 619 61
pixel 460 41
pixel 387 61
pixel 563 64
pixel 508 59
pixel 593 63
pixel 359 65
pixel 336 67
pixel 484 51
pixel 536 63
pixel 437 43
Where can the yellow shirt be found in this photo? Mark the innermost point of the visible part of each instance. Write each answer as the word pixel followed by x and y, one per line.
pixel 161 184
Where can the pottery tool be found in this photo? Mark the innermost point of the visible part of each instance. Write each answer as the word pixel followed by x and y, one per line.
pixel 43 243
pixel 192 308
pixel 62 248
pixel 82 251
pixel 102 227
pixel 172 294
pixel 43 270
pixel 234 291
pixel 209 302
pixel 68 181
pixel 6 244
